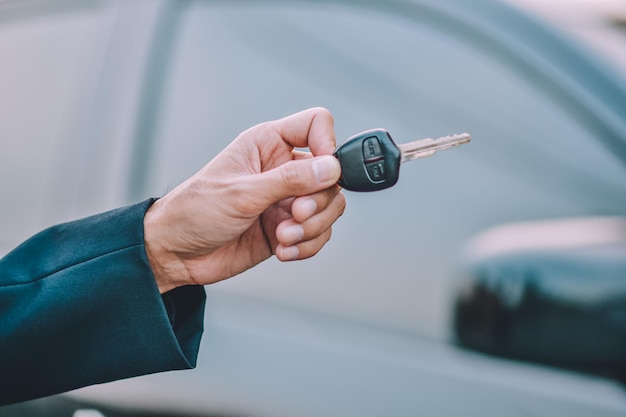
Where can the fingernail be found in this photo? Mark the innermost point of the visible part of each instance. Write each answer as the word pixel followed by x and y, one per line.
pixel 326 168
pixel 308 206
pixel 289 253
pixel 293 233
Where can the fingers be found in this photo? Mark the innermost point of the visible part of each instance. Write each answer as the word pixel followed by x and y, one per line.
pixel 287 172
pixel 312 128
pixel 303 250
pixel 303 239
pixel 302 208
pixel 296 178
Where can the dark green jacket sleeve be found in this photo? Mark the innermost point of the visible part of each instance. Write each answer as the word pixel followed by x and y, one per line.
pixel 79 306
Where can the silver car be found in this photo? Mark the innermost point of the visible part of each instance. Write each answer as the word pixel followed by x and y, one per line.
pixel 104 103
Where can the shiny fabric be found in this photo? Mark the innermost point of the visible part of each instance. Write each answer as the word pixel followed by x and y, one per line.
pixel 79 306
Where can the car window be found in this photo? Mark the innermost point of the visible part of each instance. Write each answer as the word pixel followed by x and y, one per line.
pixel 67 75
pixel 47 64
pixel 72 78
pixel 394 253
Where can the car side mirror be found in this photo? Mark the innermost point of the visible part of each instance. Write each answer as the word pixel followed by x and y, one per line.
pixel 549 292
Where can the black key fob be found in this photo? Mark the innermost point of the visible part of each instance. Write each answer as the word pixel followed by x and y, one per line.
pixel 370 161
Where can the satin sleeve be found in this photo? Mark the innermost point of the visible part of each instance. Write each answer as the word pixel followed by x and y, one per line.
pixel 79 306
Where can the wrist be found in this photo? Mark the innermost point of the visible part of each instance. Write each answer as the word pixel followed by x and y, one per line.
pixel 168 269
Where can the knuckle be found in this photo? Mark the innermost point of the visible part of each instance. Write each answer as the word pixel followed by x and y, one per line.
pixel 342 203
pixel 322 112
pixel 327 235
pixel 339 203
pixel 291 176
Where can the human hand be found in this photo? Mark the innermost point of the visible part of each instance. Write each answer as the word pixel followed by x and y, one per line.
pixel 258 197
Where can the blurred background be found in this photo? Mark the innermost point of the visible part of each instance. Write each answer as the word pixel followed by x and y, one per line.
pixel 491 280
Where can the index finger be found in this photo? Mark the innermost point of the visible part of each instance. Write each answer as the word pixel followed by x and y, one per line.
pixel 313 128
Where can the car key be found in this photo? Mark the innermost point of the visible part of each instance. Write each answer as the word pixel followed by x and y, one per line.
pixel 370 160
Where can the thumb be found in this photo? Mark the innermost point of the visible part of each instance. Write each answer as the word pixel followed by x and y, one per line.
pixel 297 178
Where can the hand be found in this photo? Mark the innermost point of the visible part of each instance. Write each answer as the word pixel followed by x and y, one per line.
pixel 258 197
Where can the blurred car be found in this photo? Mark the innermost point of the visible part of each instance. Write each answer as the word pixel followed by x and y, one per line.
pixel 105 103
pixel 551 292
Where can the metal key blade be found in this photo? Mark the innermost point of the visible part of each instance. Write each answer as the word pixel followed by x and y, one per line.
pixel 427 147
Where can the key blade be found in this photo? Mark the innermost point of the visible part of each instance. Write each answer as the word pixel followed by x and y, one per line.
pixel 428 147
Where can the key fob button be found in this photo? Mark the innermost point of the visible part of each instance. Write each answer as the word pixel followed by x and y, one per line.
pixel 371 148
pixel 376 170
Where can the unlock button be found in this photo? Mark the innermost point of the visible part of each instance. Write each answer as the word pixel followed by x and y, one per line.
pixel 376 170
